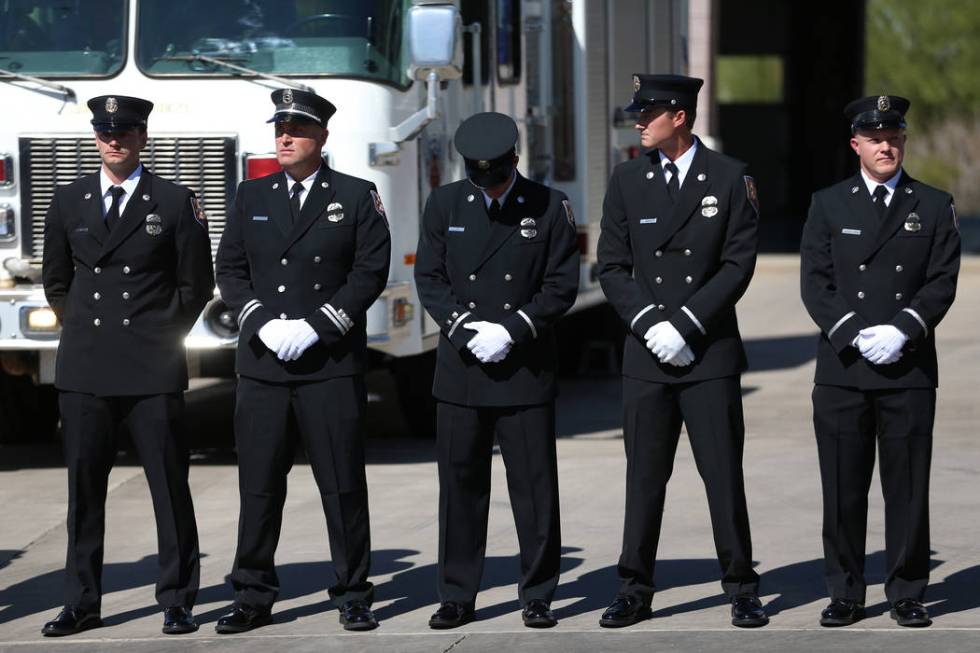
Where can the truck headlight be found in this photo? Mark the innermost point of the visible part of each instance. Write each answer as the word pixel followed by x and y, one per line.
pixel 8 227
pixel 39 322
pixel 222 321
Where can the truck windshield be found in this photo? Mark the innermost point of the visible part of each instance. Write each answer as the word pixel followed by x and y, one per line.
pixel 62 38
pixel 308 38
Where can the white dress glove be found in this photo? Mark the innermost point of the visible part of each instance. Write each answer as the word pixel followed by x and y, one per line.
pixel 492 341
pixel 881 344
pixel 300 338
pixel 664 341
pixel 273 333
pixel 683 358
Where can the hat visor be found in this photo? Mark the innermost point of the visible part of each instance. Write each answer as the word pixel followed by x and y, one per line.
pixel 874 124
pixel 292 115
pixel 638 106
pixel 116 126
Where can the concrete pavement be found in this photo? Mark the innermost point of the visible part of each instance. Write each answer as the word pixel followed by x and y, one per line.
pixel 690 613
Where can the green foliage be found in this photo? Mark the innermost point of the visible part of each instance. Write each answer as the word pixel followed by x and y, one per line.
pixel 928 51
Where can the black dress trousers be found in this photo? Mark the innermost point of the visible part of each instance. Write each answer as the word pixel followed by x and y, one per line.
pixel 328 414
pixel 653 413
pixel 465 437
pixel 155 424
pixel 848 422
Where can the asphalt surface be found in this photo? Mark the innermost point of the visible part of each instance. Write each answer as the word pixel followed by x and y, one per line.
pixel 690 612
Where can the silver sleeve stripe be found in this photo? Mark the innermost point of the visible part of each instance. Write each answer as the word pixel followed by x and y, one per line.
pixel 459 319
pixel 639 315
pixel 343 322
pixel 918 319
pixel 336 322
pixel 534 332
pixel 247 310
pixel 833 329
pixel 698 324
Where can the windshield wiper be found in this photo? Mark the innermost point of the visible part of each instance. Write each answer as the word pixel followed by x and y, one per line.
pixel 67 92
pixel 225 62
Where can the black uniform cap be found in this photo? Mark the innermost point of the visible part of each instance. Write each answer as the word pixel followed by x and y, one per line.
pixel 118 112
pixel 672 91
pixel 877 112
pixel 487 142
pixel 292 104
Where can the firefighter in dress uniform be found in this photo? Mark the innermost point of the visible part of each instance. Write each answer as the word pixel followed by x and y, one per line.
pixel 304 254
pixel 497 265
pixel 880 256
pixel 676 252
pixel 127 269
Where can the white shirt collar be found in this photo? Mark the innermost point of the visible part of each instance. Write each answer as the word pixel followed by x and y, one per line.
pixel 307 183
pixel 683 162
pixel 129 185
pixel 503 198
pixel 889 185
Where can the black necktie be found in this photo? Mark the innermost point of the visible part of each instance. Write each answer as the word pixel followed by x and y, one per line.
pixel 879 199
pixel 112 217
pixel 494 210
pixel 674 185
pixel 294 200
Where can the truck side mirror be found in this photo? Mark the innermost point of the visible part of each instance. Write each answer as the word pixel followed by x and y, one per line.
pixel 434 43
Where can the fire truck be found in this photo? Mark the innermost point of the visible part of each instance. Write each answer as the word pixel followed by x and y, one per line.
pixel 403 74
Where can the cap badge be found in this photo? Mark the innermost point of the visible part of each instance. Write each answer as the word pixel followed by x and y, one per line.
pixel 636 83
pixel 483 164
pixel 111 105
pixel 912 222
pixel 884 103
pixel 528 222
pixel 287 96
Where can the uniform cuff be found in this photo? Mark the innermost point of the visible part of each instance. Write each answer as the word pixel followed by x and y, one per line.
pixel 645 318
pixel 687 324
pixel 909 322
pixel 330 323
pixel 845 330
pixel 255 314
pixel 456 333
pixel 520 327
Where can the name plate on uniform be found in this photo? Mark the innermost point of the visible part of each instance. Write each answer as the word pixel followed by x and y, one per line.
pixel 457 229
pixel 648 221
pixel 851 232
pixel 260 218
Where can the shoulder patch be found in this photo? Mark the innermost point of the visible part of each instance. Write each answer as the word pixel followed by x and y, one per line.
pixel 569 215
pixel 378 206
pixel 199 214
pixel 751 192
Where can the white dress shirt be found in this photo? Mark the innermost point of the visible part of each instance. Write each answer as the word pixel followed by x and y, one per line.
pixel 889 185
pixel 129 186
pixel 503 198
pixel 683 163
pixel 306 183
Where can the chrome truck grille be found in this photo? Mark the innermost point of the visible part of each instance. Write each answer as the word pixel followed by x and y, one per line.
pixel 205 164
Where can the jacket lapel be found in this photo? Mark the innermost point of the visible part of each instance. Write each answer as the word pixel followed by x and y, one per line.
pixel 901 205
pixel 316 202
pixel 91 209
pixel 696 185
pixel 505 226
pixel 279 209
pixel 132 217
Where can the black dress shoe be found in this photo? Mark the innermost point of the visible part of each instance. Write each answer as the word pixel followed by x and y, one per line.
pixel 357 615
pixel 451 615
pixel 747 612
pixel 911 613
pixel 841 612
pixel 242 618
pixel 625 611
pixel 70 621
pixel 538 614
pixel 178 621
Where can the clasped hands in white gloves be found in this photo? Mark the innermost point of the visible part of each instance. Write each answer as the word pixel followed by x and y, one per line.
pixel 288 338
pixel 492 341
pixel 881 344
pixel 668 345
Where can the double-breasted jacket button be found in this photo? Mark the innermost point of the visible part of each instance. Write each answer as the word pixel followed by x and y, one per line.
pixel 506 307
pixel 126 269
pixel 472 305
pixel 125 321
pixel 97 296
pixel 660 307
pixel 449 321
pixel 860 294
pixel 284 261
pixel 658 253
pixel 472 277
pixel 317 286
pixel 659 279
pixel 507 277
pixel 898 268
pixel 862 267
pixel 281 288
pixel 97 270
pixel 317 259
pixel 97 322
pixel 688 279
pixel 125 295
pixel 687 252
pixel 898 295
pixel 455 314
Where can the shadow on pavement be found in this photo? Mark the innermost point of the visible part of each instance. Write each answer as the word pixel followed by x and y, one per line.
pixel 781 352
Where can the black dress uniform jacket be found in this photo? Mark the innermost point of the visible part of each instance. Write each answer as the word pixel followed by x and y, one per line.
pixel 126 298
pixel 328 267
pixel 859 270
pixel 683 262
pixel 520 270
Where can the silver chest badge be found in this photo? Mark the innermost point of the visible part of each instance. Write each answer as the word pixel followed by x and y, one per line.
pixel 529 233
pixel 709 211
pixel 335 212
pixel 528 222
pixel 709 200
pixel 912 222
pixel 153 224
